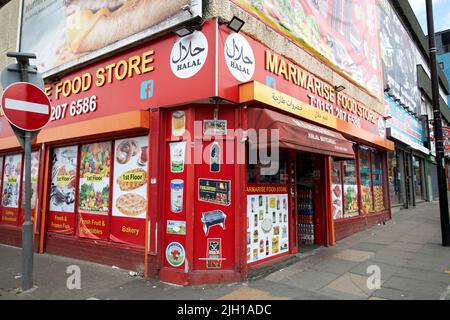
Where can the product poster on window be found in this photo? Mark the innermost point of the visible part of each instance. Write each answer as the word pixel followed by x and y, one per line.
pixel 267 226
pixel 94 190
pixel 129 207
pixel 34 184
pixel 11 189
pixel 63 189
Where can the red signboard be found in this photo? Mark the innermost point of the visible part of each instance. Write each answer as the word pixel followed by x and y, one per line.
pixel 26 106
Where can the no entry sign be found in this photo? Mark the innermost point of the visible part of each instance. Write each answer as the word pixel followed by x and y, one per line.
pixel 26 106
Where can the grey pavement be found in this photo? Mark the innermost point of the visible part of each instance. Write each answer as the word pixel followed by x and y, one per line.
pixel 407 251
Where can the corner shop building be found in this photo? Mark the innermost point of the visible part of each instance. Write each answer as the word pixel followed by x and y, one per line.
pixel 113 181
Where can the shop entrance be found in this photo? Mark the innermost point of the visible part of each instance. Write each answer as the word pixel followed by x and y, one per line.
pixel 309 208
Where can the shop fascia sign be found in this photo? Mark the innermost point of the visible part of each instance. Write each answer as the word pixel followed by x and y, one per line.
pixel 103 76
pixel 400 137
pixel 322 95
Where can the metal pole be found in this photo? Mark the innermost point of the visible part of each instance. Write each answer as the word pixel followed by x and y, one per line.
pixel 443 198
pixel 27 228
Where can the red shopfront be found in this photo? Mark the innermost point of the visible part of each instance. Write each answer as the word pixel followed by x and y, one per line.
pixel 142 165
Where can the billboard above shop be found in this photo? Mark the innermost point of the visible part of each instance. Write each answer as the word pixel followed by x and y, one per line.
pixel 399 57
pixel 343 34
pixel 65 33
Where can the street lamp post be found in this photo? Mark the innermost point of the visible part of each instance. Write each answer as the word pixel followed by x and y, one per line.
pixel 438 135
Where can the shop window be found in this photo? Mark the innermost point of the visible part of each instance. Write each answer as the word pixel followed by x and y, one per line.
pixel 394 179
pixel 366 180
pixel 63 190
pixel 34 181
pixel 11 181
pixel 351 208
pixel 255 175
pixel 12 174
pixel 111 193
pixel 344 189
pixel 378 181
pixel 336 187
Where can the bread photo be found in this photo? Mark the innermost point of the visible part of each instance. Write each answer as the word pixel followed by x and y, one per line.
pixel 94 24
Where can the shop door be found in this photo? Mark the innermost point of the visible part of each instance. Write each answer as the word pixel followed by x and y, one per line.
pixel 409 199
pixel 310 199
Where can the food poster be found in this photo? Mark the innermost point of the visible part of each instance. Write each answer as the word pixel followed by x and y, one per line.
pixel 63 190
pixel 64 33
pixel 11 189
pixel 343 34
pixel 34 186
pixel 214 191
pixel 351 207
pixel 336 190
pixel 94 190
pixel 129 206
pixel 267 226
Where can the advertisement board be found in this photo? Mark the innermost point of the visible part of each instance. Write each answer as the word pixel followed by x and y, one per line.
pixel 267 226
pixel 63 190
pixel 129 199
pixel 65 33
pixel 399 57
pixel 94 190
pixel 343 34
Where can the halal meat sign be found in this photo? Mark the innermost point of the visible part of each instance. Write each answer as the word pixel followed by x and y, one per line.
pixel 26 106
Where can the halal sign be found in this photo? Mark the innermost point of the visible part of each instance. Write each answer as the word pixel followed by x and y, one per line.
pixel 189 55
pixel 239 57
pixel 26 106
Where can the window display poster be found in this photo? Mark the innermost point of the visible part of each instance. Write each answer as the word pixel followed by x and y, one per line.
pixel 214 191
pixel 63 188
pixel 94 190
pixel 351 207
pixel 11 189
pixel 129 205
pixel 336 190
pixel 267 226
pixel 34 184
pixel 338 212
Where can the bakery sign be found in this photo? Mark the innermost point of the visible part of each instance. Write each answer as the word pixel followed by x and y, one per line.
pixel 66 33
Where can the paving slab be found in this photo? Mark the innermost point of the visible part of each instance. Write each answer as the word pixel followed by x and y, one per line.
pixel 354 255
pixel 334 265
pixel 310 280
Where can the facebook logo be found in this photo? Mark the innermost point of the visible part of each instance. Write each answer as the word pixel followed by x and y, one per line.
pixel 271 82
pixel 147 88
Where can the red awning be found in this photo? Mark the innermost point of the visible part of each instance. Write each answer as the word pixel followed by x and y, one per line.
pixel 301 135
